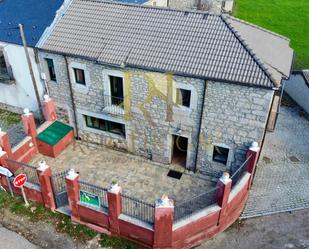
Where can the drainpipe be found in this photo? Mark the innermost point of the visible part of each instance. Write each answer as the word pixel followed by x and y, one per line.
pixel 72 97
pixel 200 126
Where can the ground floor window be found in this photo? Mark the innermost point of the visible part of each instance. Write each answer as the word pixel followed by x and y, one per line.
pixel 220 154
pixel 105 125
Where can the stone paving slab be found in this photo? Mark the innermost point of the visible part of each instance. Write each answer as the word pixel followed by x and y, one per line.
pixel 282 177
pixel 139 178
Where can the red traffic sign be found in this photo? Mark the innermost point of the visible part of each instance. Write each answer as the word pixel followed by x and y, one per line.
pixel 20 180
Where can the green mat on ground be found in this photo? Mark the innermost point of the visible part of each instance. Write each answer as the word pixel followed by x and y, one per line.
pixel 54 133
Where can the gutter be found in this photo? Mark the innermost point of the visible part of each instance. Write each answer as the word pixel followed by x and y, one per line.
pixel 200 125
pixel 161 71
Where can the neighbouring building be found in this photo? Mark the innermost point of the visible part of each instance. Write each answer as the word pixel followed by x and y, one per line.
pixel 181 87
pixel 16 86
pixel 297 87
pixel 214 6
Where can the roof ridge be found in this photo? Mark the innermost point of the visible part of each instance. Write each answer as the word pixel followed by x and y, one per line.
pixel 259 27
pixel 201 12
pixel 257 60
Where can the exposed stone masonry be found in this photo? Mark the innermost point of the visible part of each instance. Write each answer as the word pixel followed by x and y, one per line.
pixel 233 117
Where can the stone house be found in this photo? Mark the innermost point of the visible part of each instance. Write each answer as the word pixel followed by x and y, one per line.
pixel 174 86
pixel 16 84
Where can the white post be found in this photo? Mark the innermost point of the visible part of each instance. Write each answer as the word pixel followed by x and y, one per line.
pixel 24 196
pixel 10 187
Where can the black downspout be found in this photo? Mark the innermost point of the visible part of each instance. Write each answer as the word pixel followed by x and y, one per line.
pixel 264 134
pixel 72 97
pixel 200 126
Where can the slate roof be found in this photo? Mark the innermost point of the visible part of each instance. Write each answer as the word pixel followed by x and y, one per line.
pixel 273 49
pixel 188 43
pixel 35 15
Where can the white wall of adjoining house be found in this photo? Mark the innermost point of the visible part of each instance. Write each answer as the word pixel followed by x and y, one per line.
pixel 297 89
pixel 158 3
pixel 20 94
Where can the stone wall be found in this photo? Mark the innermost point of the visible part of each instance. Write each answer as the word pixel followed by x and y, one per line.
pixel 234 116
pixel 149 127
pixel 214 6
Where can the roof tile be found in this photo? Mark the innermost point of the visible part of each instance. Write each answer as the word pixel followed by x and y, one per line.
pixel 195 44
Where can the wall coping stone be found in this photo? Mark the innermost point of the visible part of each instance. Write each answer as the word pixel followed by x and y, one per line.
pixel 71 175
pixel 21 143
pixel 136 222
pixel 101 209
pixel 200 214
pixel 42 166
pixel 239 185
pixel 30 185
pixel 254 147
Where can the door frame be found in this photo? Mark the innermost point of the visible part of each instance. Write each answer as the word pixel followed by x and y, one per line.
pixel 171 140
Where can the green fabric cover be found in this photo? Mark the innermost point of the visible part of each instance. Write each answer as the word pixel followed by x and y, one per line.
pixel 54 133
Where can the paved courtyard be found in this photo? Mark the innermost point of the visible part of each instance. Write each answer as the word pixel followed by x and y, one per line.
pixel 282 177
pixel 138 177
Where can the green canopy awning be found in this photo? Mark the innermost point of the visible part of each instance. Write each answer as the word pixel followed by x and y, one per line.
pixel 54 133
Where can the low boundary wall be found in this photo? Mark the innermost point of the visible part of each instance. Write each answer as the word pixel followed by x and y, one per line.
pixel 163 232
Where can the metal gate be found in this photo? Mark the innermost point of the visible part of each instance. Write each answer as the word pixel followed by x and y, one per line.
pixel 60 192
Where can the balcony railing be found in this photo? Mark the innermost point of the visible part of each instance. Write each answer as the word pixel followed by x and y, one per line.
pixel 113 105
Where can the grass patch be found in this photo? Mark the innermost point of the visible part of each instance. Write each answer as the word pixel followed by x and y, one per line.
pixel 8 119
pixel 37 212
pixel 62 223
pixel 115 242
pixel 286 17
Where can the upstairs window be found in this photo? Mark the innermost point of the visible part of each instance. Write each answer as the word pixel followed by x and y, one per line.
pixel 183 97
pixel 105 125
pixel 79 75
pixel 116 88
pixel 220 154
pixel 51 69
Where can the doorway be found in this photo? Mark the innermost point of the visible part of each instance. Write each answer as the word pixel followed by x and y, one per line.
pixel 179 150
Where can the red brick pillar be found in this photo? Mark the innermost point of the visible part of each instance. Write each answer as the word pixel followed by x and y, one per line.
pixel 253 153
pixel 73 193
pixel 163 223
pixel 5 143
pixel 49 109
pixel 114 207
pixel 29 125
pixel 3 157
pixel 224 189
pixel 3 163
pixel 44 173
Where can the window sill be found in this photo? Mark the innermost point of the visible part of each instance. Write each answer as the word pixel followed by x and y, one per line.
pixel 105 133
pixel 7 82
pixel 182 109
pixel 52 82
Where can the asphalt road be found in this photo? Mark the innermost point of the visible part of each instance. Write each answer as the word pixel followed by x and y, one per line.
pixel 12 240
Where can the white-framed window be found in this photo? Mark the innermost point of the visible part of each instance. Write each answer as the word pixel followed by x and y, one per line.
pixel 50 69
pixel 114 87
pixel 183 97
pixel 80 76
pixel 105 125
pixel 222 154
